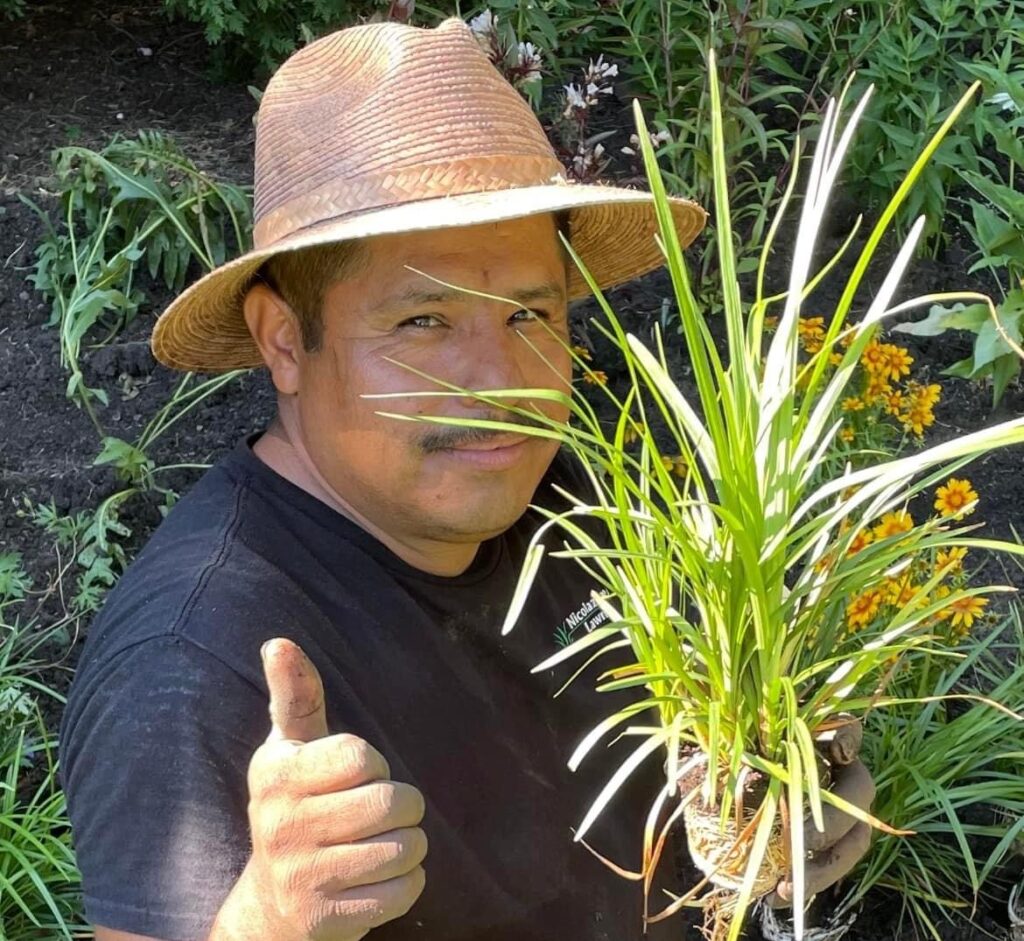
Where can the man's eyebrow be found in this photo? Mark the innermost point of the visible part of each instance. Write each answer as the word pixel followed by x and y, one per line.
pixel 412 297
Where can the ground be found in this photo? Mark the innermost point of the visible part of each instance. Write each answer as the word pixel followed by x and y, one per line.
pixel 83 71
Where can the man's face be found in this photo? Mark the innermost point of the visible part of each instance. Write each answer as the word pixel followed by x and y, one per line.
pixel 426 481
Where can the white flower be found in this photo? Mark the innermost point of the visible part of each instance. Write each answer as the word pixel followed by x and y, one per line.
pixel 600 70
pixel 573 99
pixel 1003 101
pixel 483 24
pixel 662 137
pixel 530 61
pixel 629 150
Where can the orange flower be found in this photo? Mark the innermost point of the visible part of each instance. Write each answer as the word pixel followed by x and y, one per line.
pixel 862 610
pixel 898 360
pixel 900 591
pixel 955 497
pixel 582 352
pixel 853 404
pixel 862 539
pixel 595 377
pixel 771 324
pixel 811 331
pixel 893 402
pixel 874 359
pixel 846 435
pixel 892 524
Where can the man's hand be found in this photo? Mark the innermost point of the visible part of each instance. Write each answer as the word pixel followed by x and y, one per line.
pixel 837 849
pixel 336 845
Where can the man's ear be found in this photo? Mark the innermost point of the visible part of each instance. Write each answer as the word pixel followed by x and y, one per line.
pixel 275 328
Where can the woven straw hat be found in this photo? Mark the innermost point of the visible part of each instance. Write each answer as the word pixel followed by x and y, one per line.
pixel 386 128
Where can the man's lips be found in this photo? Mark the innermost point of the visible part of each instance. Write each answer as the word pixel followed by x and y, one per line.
pixel 492 454
pixel 492 444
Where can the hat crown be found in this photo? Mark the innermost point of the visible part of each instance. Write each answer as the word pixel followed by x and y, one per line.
pixel 384 113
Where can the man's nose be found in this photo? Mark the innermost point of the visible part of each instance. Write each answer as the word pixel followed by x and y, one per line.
pixel 492 359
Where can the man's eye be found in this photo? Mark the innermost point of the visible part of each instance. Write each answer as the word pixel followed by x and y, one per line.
pixel 528 315
pixel 421 321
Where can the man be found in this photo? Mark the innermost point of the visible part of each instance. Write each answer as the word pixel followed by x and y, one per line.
pixel 370 561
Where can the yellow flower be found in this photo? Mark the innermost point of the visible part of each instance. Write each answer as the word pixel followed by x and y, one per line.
pixel 900 591
pixel 875 360
pixel 863 608
pixel 964 611
pixel 634 432
pixel 886 361
pixel 898 360
pixel 892 524
pixel 853 404
pixel 953 557
pixel 954 497
pixel 846 435
pixel 674 464
pixel 919 400
pixel 862 539
pixel 771 324
pixel 878 388
pixel 595 377
pixel 893 402
pixel 812 333
pixel 582 352
pixel 834 359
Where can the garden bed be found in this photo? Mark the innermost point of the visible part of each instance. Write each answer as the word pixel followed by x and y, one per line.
pixel 83 71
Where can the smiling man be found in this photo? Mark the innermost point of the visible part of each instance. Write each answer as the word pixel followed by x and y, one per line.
pixel 352 570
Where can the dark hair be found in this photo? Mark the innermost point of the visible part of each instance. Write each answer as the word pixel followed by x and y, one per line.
pixel 302 277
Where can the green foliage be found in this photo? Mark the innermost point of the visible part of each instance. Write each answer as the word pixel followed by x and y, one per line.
pixel 39 883
pixel 949 770
pixel 663 48
pixel 913 52
pixel 255 36
pixel 94 541
pixel 136 202
pixel 133 461
pixel 12 9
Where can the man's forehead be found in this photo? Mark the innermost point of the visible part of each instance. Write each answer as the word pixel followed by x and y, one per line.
pixel 412 295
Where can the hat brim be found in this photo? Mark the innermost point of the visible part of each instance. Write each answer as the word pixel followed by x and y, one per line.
pixel 612 230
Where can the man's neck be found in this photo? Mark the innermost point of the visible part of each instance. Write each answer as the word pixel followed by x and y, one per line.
pixel 281 449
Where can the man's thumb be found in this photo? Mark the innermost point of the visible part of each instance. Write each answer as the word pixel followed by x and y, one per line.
pixel 296 692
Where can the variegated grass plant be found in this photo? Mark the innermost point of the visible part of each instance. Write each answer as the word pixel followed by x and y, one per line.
pixel 726 585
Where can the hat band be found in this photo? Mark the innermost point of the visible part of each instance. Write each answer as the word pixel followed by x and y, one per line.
pixel 412 184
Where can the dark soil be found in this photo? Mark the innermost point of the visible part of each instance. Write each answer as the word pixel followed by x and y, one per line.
pixel 81 72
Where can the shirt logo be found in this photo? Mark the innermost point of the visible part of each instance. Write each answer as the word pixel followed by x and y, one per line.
pixel 583 620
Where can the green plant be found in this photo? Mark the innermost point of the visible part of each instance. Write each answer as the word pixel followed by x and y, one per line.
pixel 997 228
pixel 726 585
pixel 951 775
pixel 911 52
pixel 12 9
pixel 133 463
pixel 39 884
pixel 663 47
pixel 93 540
pixel 255 36
pixel 135 202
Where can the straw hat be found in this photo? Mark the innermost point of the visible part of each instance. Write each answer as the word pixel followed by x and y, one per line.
pixel 386 128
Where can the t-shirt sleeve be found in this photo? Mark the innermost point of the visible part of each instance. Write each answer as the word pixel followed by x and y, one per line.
pixel 154 757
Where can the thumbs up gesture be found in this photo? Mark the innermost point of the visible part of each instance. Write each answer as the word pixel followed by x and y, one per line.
pixel 336 844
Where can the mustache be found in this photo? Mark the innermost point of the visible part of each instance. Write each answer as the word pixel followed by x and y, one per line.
pixel 444 438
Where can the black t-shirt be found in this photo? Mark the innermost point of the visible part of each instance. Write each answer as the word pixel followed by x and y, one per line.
pixel 169 703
